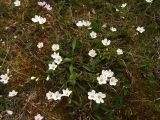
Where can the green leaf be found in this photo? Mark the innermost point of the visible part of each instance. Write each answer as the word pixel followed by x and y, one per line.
pixel 74 45
pixel 73 75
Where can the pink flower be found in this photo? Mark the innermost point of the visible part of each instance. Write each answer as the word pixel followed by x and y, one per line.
pixel 41 3
pixel 48 7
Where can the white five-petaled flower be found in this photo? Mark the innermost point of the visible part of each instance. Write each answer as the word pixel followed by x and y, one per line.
pixel 93 34
pixel 52 66
pixel 49 95
pixel 99 97
pixel 66 92
pixel 38 117
pixel 113 81
pixel 39 19
pixel 40 45
pixel 55 47
pixel 113 29
pixel 149 1
pixel 92 53
pixel 119 51
pixel 102 79
pixel 9 112
pixel 17 3
pixel 57 96
pixel 12 93
pixel 106 42
pixel 91 95
pixel 123 5
pixel 140 29
pixel 79 23
pixel 4 78
pixel 57 58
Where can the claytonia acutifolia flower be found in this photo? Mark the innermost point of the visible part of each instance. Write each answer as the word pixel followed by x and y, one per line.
pixel 113 29
pixel 106 42
pixel 104 26
pixel 91 95
pixel 57 58
pixel 117 10
pixel 9 112
pixel 49 95
pixel 92 53
pixel 99 97
pixel 123 5
pixel 149 1
pixel 113 81
pixel 12 93
pixel 119 51
pixel 17 3
pixel 32 78
pixel 66 92
pixel 4 78
pixel 57 96
pixel 52 66
pixel 40 45
pixel 55 47
pixel 38 117
pixel 41 3
pixel 83 23
pixel 140 29
pixel 105 76
pixel 93 34
pixel 39 19
pixel 48 7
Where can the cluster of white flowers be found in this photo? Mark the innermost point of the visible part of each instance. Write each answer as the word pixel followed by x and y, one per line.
pixel 39 19
pixel 57 58
pixel 107 76
pixel 83 23
pixel 97 97
pixel 57 96
pixel 4 78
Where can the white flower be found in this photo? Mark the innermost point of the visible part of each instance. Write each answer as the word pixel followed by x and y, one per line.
pixel 17 3
pixel 91 95
pixel 66 92
pixel 102 79
pixel 140 29
pixel 149 1
pixel 58 60
pixel 93 34
pixel 119 51
pixel 113 29
pixel 99 97
pixel 124 5
pixel 57 96
pixel 38 117
pixel 106 42
pixel 79 23
pixel 104 26
pixel 117 10
pixel 86 23
pixel 55 47
pixel 107 73
pixel 9 112
pixel 92 53
pixel 49 95
pixel 39 19
pixel 55 55
pixel 40 45
pixel 41 3
pixel 4 78
pixel 12 93
pixel 113 81
pixel 52 66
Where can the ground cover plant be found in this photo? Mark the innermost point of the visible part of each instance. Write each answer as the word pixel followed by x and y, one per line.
pixel 80 60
